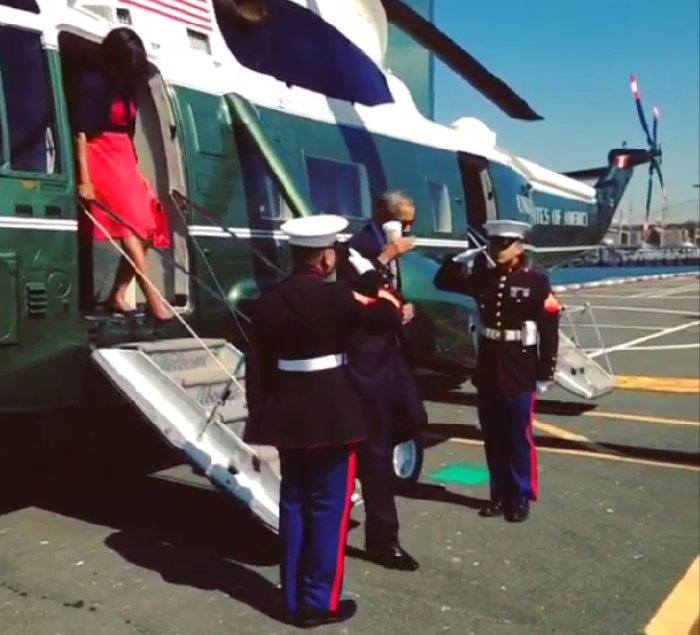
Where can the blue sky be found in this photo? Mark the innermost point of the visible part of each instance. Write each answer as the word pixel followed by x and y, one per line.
pixel 572 62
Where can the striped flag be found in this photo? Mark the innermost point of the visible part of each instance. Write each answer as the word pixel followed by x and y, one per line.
pixel 194 13
pixel 621 161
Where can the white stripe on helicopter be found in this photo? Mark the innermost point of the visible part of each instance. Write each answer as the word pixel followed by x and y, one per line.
pixel 207 231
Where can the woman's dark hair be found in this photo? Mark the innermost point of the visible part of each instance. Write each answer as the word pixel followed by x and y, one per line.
pixel 123 56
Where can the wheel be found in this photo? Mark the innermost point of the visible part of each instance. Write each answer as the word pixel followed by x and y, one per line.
pixel 408 462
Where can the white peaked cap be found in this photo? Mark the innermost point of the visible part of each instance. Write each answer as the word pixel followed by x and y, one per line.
pixel 507 228
pixel 317 232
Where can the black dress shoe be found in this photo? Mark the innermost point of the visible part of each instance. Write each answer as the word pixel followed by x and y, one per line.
pixel 493 509
pixel 311 618
pixel 518 512
pixel 392 557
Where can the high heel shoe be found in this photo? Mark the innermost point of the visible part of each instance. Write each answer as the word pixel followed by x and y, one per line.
pixel 116 311
pixel 158 320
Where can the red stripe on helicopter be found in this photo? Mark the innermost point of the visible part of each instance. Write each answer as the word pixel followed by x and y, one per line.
pixel 191 12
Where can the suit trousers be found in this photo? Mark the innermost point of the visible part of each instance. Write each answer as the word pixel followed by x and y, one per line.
pixel 315 492
pixel 397 414
pixel 506 422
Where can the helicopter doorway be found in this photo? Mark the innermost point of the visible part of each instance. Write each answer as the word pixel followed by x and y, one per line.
pixel 478 191
pixel 160 161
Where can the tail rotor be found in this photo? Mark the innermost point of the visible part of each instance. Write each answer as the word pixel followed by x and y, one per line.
pixel 653 145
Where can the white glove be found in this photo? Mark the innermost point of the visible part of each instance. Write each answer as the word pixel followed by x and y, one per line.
pixel 468 255
pixel 361 264
pixel 543 386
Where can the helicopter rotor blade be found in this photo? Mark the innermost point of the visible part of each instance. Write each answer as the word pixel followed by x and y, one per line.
pixel 650 189
pixel 655 126
pixel 466 66
pixel 640 111
pixel 657 168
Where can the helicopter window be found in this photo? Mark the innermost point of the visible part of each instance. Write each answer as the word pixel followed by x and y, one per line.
pixel 23 5
pixel 30 114
pixel 339 188
pixel 298 47
pixel 265 199
pixel 440 206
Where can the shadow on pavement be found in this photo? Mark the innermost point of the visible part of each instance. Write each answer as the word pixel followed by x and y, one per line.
pixel 439 432
pixel 542 406
pixel 201 566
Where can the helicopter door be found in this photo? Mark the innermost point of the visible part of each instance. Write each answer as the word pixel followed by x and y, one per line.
pixel 160 160
pixel 38 204
pixel 478 191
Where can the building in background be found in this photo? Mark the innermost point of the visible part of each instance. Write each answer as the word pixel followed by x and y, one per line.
pixel 413 64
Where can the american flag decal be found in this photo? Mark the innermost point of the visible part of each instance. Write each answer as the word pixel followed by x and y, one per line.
pixel 194 13
pixel 622 161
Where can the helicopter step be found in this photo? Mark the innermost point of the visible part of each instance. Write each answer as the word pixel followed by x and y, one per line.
pixel 577 371
pixel 192 392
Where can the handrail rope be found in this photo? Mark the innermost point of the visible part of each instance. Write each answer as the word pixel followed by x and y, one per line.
pixel 217 296
pixel 184 201
pixel 190 330
pixel 234 312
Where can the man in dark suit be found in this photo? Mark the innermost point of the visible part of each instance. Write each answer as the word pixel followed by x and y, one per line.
pixel 302 400
pixel 379 363
pixel 394 211
pixel 517 357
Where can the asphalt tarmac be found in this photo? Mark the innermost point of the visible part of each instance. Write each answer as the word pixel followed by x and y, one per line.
pixel 605 551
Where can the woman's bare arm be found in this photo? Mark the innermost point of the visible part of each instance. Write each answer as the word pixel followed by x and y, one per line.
pixel 81 154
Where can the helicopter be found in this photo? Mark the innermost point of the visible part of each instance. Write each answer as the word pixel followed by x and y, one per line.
pixel 256 111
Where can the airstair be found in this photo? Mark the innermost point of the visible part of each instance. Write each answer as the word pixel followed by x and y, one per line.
pixel 194 396
pixel 577 370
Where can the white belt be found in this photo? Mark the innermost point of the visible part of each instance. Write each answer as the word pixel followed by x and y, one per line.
pixel 312 364
pixel 527 334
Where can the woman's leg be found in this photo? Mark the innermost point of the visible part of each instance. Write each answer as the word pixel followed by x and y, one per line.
pixel 125 274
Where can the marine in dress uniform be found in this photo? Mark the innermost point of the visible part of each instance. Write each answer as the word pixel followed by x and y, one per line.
pixel 517 356
pixel 380 364
pixel 302 400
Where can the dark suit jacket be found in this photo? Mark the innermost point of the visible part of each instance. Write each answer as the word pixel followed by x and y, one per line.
pixel 369 242
pixel 380 361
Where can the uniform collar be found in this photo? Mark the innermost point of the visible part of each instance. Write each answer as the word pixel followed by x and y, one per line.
pixel 517 265
pixel 313 272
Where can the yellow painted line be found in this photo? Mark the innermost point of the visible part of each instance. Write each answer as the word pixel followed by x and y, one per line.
pixel 628 416
pixel 678 385
pixel 679 613
pixel 581 453
pixel 562 433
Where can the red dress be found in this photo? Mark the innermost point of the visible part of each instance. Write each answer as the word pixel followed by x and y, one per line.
pixel 116 179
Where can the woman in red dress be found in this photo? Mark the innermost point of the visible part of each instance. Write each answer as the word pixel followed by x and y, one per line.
pixel 108 171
